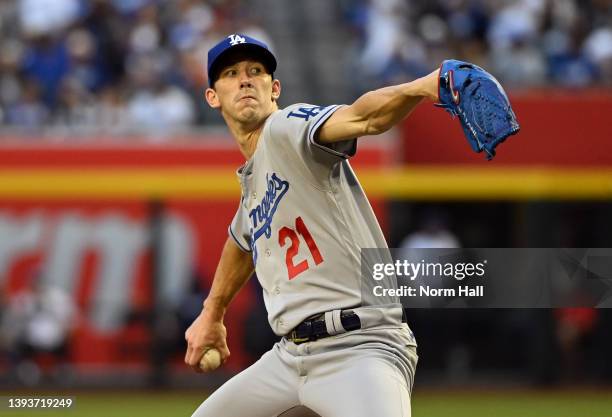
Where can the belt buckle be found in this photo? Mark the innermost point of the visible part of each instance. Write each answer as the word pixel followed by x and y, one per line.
pixel 298 340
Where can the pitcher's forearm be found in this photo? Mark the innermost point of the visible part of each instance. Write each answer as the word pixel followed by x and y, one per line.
pixel 387 106
pixel 233 271
pixel 377 111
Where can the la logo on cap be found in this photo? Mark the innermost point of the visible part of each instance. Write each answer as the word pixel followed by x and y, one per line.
pixel 236 39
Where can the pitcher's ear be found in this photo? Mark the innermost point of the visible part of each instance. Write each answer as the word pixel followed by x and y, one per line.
pixel 276 89
pixel 211 98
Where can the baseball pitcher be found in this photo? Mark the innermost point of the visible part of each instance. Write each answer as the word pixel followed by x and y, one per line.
pixel 300 224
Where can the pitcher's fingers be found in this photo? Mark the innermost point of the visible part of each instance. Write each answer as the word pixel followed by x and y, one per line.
pixel 193 356
pixel 187 355
pixel 225 354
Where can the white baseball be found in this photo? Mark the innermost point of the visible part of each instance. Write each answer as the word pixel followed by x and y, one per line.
pixel 211 360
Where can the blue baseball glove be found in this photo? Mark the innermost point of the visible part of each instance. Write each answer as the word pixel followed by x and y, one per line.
pixel 480 102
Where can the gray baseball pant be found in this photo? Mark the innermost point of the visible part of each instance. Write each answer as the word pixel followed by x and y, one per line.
pixel 362 373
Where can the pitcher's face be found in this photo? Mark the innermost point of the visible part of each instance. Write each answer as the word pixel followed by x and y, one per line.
pixel 244 91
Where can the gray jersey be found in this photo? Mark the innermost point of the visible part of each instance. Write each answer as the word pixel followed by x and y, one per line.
pixel 304 217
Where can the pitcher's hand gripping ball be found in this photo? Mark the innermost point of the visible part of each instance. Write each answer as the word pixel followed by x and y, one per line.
pixel 480 102
pixel 211 360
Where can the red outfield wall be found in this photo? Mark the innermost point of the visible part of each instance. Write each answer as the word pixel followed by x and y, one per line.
pixel 557 129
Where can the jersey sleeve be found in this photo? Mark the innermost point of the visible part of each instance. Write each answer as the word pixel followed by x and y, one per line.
pixel 239 231
pixel 344 149
pixel 296 127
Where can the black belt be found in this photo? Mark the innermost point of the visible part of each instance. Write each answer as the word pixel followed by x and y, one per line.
pixel 311 330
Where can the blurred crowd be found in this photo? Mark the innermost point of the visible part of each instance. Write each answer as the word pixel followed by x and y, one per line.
pixel 525 43
pixel 117 66
pixel 110 66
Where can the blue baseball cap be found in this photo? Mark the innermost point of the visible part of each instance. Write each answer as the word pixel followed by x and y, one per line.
pixel 237 42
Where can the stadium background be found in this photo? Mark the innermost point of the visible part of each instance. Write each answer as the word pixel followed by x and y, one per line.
pixel 117 185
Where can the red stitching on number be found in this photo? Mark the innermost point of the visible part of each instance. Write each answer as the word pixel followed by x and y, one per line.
pixel 314 249
pixel 286 232
pixel 292 269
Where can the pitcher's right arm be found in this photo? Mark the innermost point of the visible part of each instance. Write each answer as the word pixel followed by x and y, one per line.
pixel 207 330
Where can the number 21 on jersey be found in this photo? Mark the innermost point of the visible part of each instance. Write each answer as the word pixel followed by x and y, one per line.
pixel 289 236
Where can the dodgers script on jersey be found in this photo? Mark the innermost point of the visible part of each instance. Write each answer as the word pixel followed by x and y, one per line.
pixel 304 217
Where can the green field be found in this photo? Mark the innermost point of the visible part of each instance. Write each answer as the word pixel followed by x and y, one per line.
pixel 565 403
